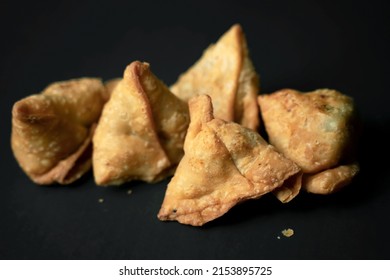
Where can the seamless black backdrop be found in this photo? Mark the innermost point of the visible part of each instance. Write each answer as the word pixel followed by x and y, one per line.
pixel 296 44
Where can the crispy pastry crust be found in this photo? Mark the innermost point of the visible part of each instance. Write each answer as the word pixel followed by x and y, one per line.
pixel 224 164
pixel 225 73
pixel 330 180
pixel 315 130
pixel 52 131
pixel 290 189
pixel 141 132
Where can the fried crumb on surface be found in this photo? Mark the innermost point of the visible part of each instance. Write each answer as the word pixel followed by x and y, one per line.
pixel 288 232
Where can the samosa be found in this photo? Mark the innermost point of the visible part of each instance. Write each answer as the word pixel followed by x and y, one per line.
pixel 52 131
pixel 141 132
pixel 225 73
pixel 317 131
pixel 224 164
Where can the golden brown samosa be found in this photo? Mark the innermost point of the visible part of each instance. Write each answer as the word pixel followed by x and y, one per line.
pixel 316 131
pixel 225 73
pixel 224 164
pixel 141 132
pixel 52 131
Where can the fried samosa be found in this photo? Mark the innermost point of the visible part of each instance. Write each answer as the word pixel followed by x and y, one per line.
pixel 52 131
pixel 225 73
pixel 224 164
pixel 316 130
pixel 141 132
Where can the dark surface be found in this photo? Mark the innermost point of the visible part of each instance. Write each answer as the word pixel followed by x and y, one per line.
pixel 298 44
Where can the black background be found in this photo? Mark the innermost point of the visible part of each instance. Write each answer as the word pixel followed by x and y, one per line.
pixel 297 44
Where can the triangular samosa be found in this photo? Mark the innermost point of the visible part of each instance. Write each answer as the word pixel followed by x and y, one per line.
pixel 141 132
pixel 225 73
pixel 316 130
pixel 52 131
pixel 224 164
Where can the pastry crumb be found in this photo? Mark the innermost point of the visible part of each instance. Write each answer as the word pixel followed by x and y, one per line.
pixel 288 232
pixel 101 200
pixel 129 192
pixel 278 237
